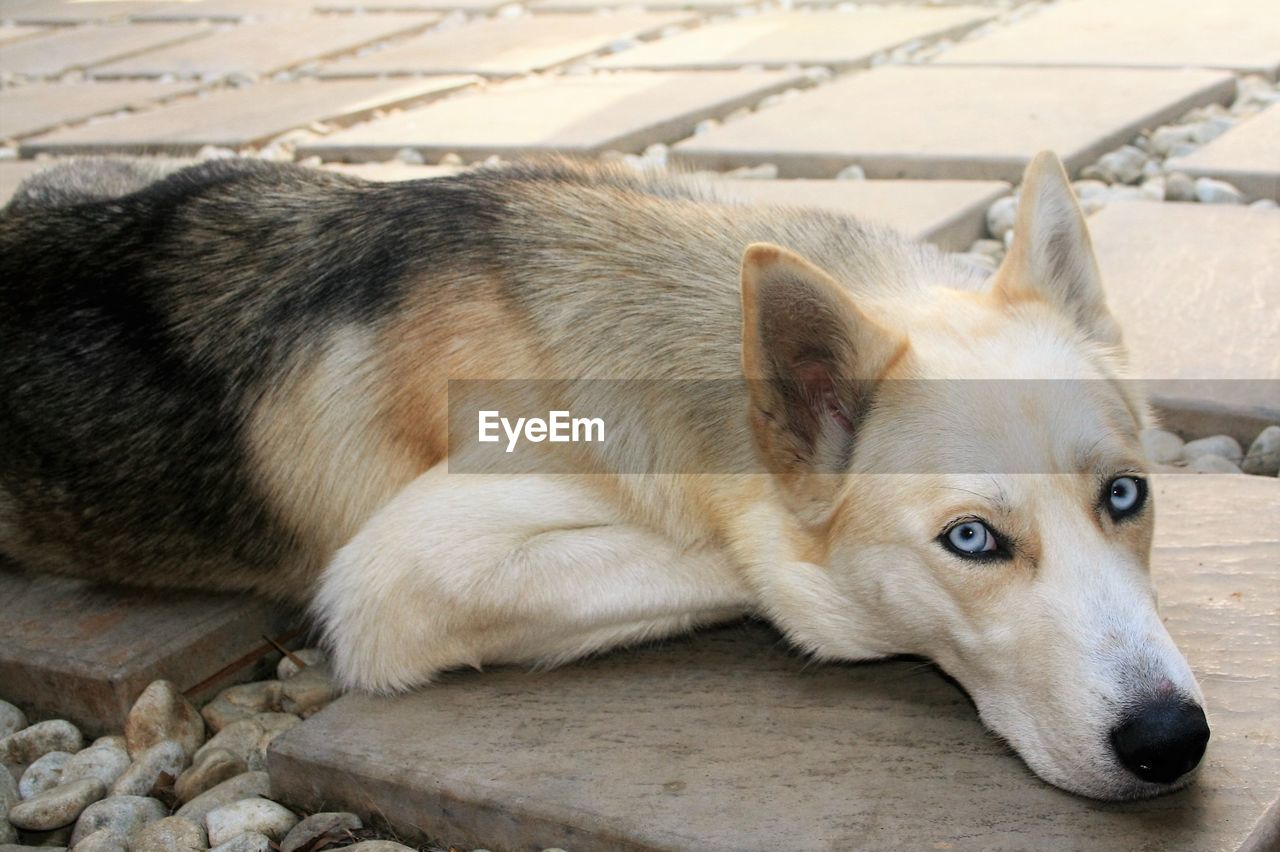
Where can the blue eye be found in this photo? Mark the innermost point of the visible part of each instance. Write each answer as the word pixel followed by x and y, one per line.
pixel 972 539
pixel 1124 496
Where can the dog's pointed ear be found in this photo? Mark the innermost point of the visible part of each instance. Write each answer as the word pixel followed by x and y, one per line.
pixel 1051 257
pixel 811 359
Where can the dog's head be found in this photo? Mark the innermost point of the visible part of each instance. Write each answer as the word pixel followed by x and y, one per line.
pixel 969 466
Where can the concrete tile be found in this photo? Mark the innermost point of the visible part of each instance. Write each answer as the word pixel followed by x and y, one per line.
pixel 505 47
pixel 14 172
pixel 17 33
pixel 966 123
pixel 837 39
pixel 235 118
pixel 951 214
pixel 726 741
pixel 68 12
pixel 226 10
pixel 394 171
pixel 1195 288
pixel 27 110
pixel 624 111
pixel 595 5
pixel 383 6
pixel 1240 35
pixel 1248 156
pixel 84 653
pixel 267 47
pixel 85 47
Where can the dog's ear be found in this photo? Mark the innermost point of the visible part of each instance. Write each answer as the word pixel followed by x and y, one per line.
pixel 811 358
pixel 1051 257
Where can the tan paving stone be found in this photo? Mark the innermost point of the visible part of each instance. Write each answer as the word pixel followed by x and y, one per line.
pixel 625 111
pixel 594 5
pixel 838 39
pixel 394 171
pixel 967 123
pixel 17 33
pixel 951 214
pixel 1196 288
pixel 235 118
pixel 728 742
pixel 263 48
pixel 14 172
pixel 1248 156
pixel 84 653
pixel 1240 35
pixel 85 47
pixel 383 6
pixel 27 110
pixel 506 47
pixel 67 12
pixel 227 10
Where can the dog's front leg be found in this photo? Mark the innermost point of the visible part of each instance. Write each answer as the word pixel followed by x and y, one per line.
pixel 463 570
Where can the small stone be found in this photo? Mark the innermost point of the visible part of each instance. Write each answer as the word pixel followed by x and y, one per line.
pixel 1153 189
pixel 35 741
pixel 1223 446
pixel 104 762
pixel 377 846
pixel 1178 186
pixel 43 774
pixel 1086 189
pixel 309 690
pixel 122 815
pixel 250 841
pixel 1263 458
pixel 163 713
pixel 156 769
pixel 57 806
pixel 409 156
pixel 273 725
pixel 240 738
pixel 12 719
pixel 1213 464
pixel 305 833
pixel 168 834
pixel 1265 204
pixel 1161 446
pixel 993 249
pixel 242 786
pixel 1001 216
pixel 242 702
pixel 261 815
pixel 9 797
pixel 1165 139
pixel 102 840
pixel 852 173
pixel 209 769
pixel 1123 165
pixel 1210 191
pixel 287 668
pixel 1207 131
pixel 116 740
pixel 58 838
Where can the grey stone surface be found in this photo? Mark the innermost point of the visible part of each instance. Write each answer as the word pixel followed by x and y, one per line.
pixel 1240 35
pixel 727 741
pixel 966 123
pixel 111 643
pixel 236 118
pixel 1247 156
pixel 85 47
pixel 265 47
pixel 836 39
pixel 71 12
pixel 624 111
pixel 17 33
pixel 29 110
pixel 1178 276
pixel 226 10
pixel 948 213
pixel 14 172
pixel 505 47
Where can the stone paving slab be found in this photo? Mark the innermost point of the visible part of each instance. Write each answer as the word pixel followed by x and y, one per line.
pixel 84 653
pixel 85 47
pixel 69 12
pixel 727 741
pixel 27 110
pixel 951 214
pixel 663 5
pixel 227 10
pixel 267 47
pixel 506 47
pixel 1248 156
pixel 625 111
pixel 965 123
pixel 836 39
pixel 1239 35
pixel 1195 288
pixel 382 6
pixel 8 34
pixel 236 118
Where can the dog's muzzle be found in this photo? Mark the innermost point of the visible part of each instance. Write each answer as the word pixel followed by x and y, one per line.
pixel 1162 741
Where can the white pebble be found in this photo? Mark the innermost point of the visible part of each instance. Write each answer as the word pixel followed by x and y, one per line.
pixel 1265 204
pixel 1223 446
pixel 1210 191
pixel 1001 216
pixel 122 815
pixel 43 774
pixel 104 762
pixel 261 815
pixel 37 740
pixel 1179 186
pixel 1123 165
pixel 1212 464
pixel 1263 458
pixel 1161 446
pixel 12 719
pixel 250 841
pixel 57 806
pixel 852 173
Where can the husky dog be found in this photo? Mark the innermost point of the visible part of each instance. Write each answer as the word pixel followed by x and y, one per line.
pixel 235 376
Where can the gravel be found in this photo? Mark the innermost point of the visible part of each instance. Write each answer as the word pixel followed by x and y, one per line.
pixel 1212 191
pixel 163 713
pixel 1263 457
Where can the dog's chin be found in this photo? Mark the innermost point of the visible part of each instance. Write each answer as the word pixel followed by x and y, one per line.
pixel 1114 784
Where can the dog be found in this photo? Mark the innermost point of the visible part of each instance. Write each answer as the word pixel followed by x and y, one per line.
pixel 236 376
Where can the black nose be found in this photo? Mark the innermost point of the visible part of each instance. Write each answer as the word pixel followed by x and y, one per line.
pixel 1162 741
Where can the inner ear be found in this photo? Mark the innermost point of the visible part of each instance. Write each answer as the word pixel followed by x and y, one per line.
pixel 811 358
